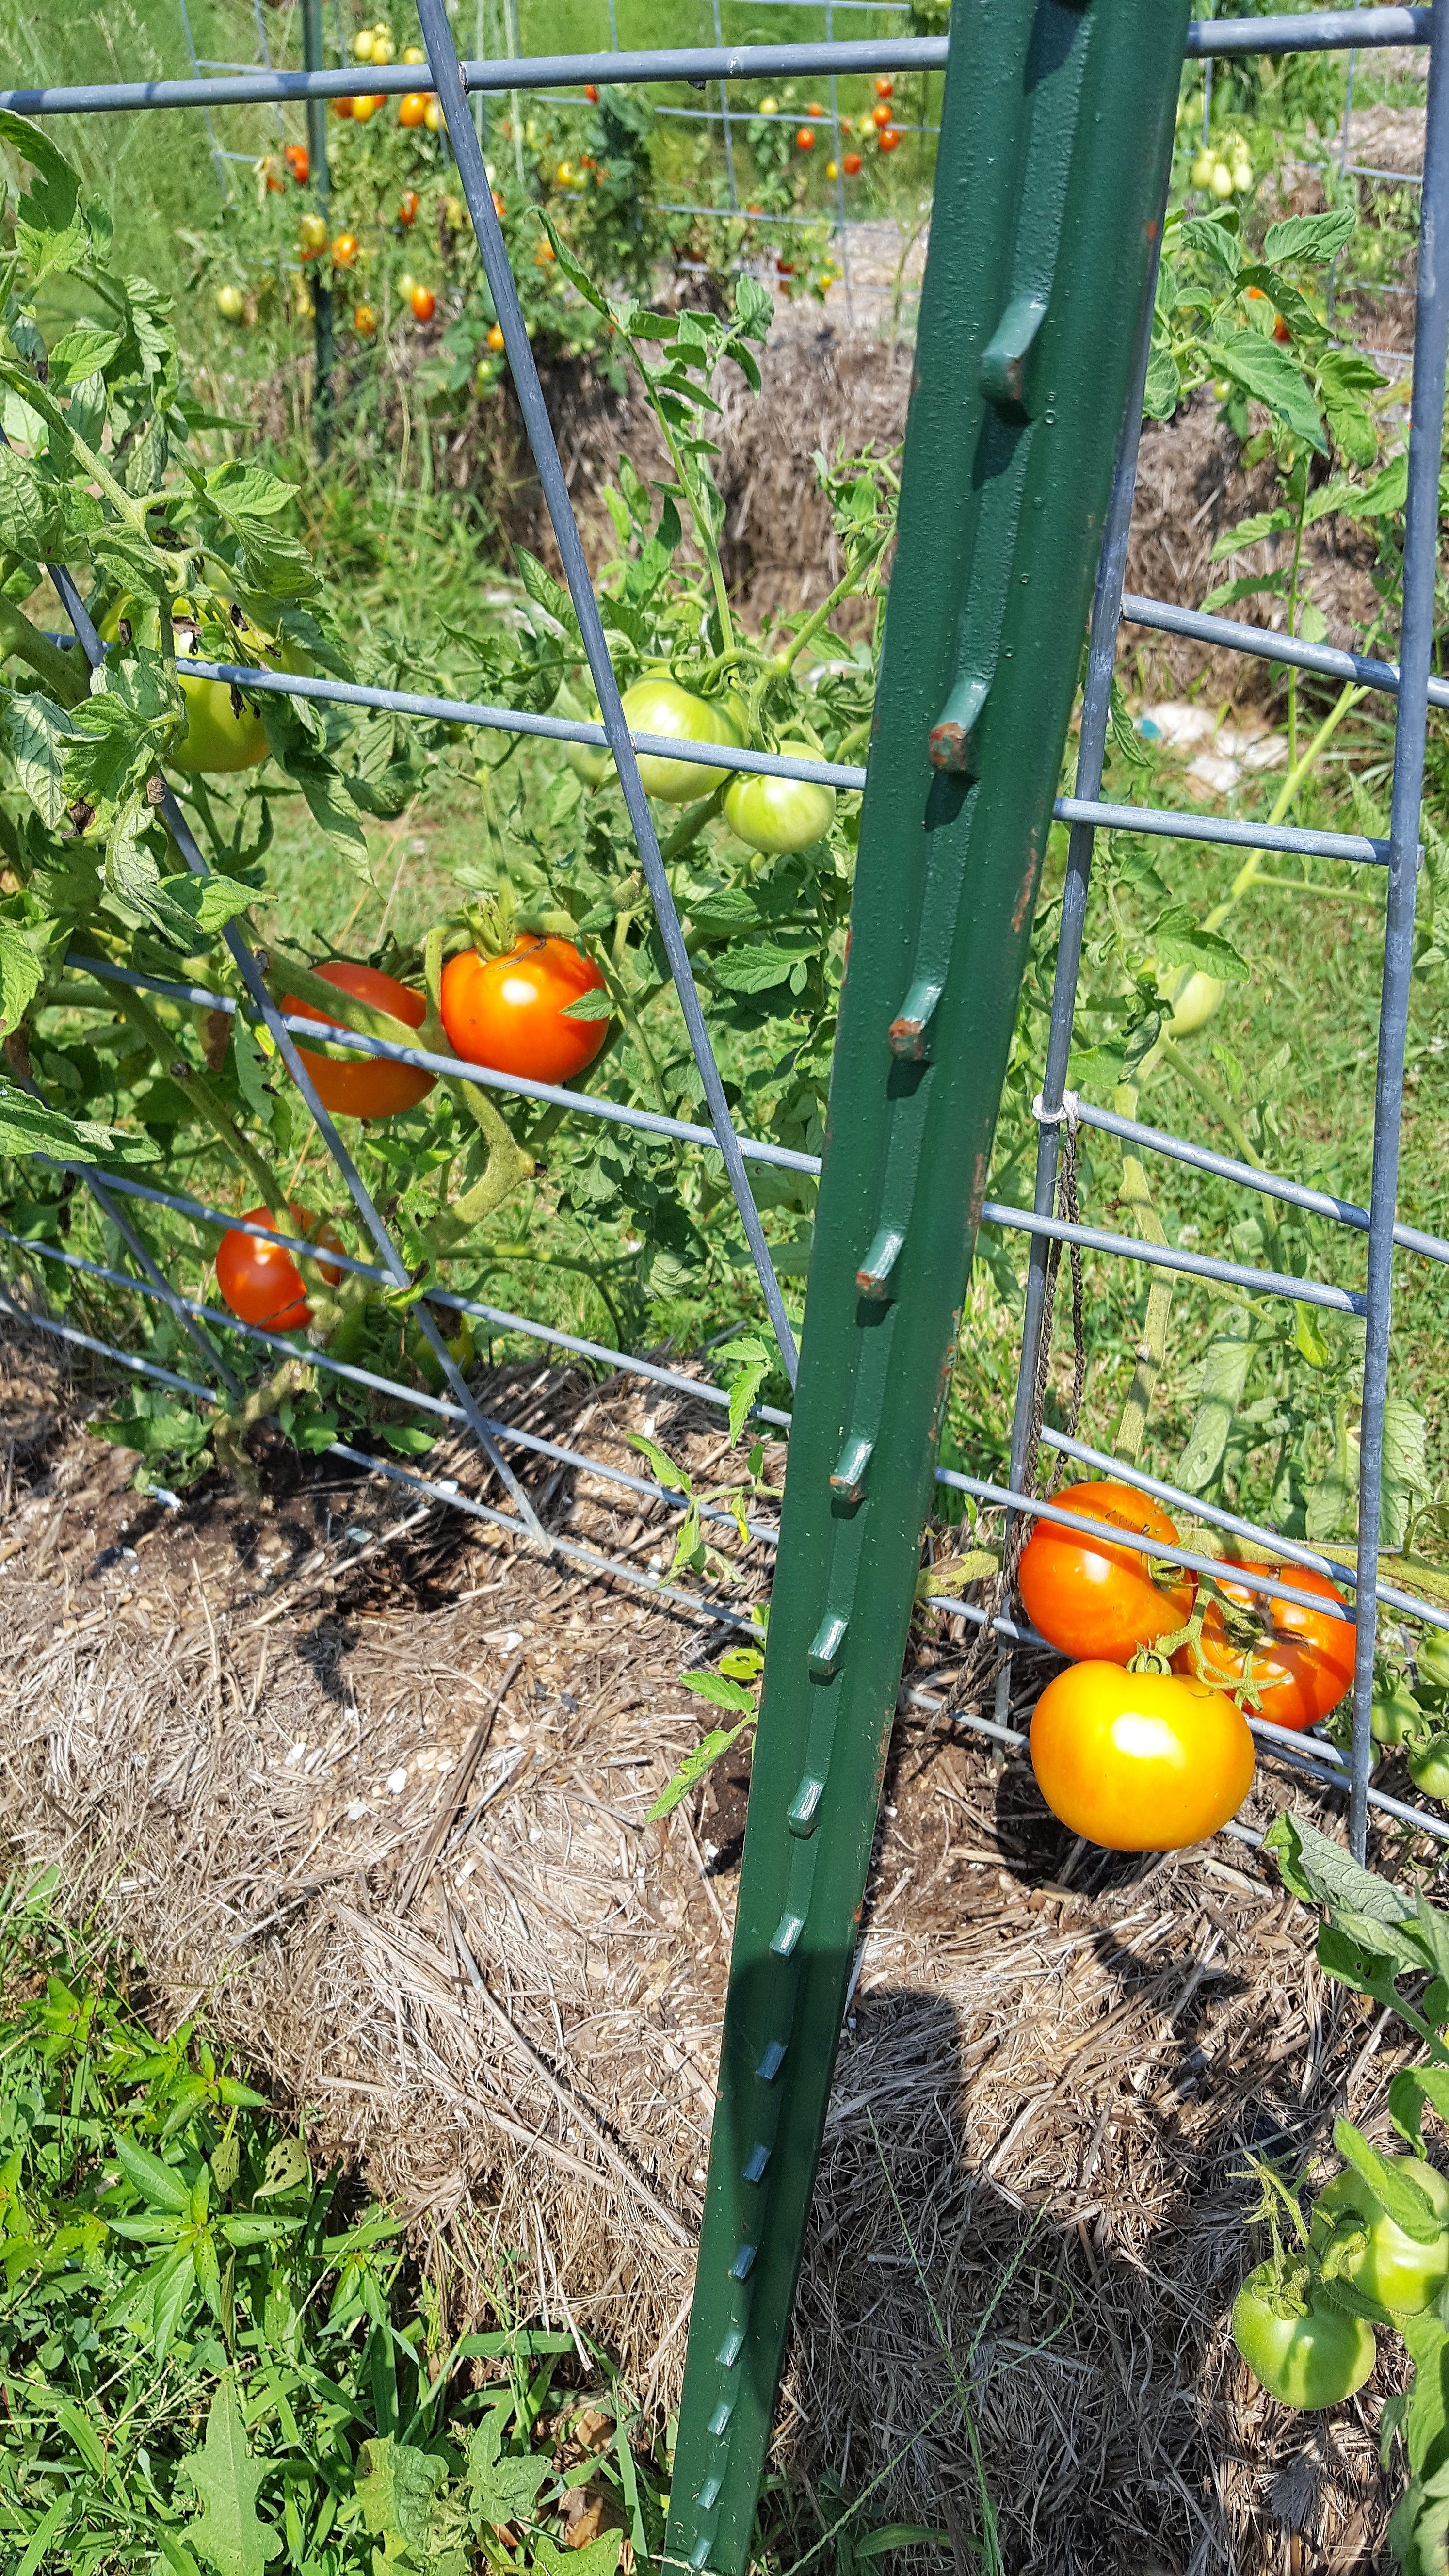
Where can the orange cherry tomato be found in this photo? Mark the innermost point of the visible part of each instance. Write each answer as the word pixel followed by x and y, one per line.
pixel 362 1086
pixel 413 109
pixel 880 117
pixel 344 250
pixel 424 303
pixel 889 138
pixel 1089 1598
pixel 805 140
pixel 1281 332
pixel 499 208
pixel 495 336
pixel 591 92
pixel 364 321
pixel 268 168
pixel 1302 1663
pixel 852 165
pixel 814 108
pixel 298 161
pixel 1139 1761
pixel 407 212
pixel 261 1282
pixel 508 1012
pixel 884 86
pixel 342 107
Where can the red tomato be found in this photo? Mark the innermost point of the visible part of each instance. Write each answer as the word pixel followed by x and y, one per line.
pixel 1281 332
pixel 424 303
pixel 342 107
pixel 884 85
pixel 851 165
pixel 1090 1598
pixel 1139 1761
pixel 261 1281
pixel 880 117
pixel 591 92
pixel 508 1012
pixel 805 140
pixel 1302 1662
pixel 366 1086
pixel 298 162
pixel 407 212
pixel 888 138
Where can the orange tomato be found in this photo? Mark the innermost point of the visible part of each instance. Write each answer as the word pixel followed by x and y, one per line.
pixel 342 107
pixel 344 250
pixel 1089 1598
pixel 424 303
pixel 884 85
pixel 298 161
pixel 1301 1664
pixel 851 165
pixel 413 109
pixel 889 138
pixel 407 212
pixel 364 321
pixel 805 140
pixel 591 92
pixel 363 1086
pixel 499 208
pixel 508 1012
pixel 495 337
pixel 1139 1761
pixel 880 116
pixel 261 1282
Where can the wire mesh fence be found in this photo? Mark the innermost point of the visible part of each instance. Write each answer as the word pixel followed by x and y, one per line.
pixel 503 1497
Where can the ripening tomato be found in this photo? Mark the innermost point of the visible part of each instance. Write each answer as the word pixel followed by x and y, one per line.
pixel 1139 1761
pixel 413 108
pixel 407 212
pixel 231 304
pixel 804 140
pixel 662 707
pixel 342 107
pixel 382 46
pixel 424 303
pixel 1402 2274
pixel 365 1086
pixel 889 138
pixel 499 207
pixel 1281 332
pixel 779 814
pixel 363 42
pixel 508 1012
pixel 365 109
pixel 1305 2351
pixel 312 236
pixel 344 250
pixel 298 161
pixel 414 54
pixel 267 170
pixel 1302 1660
pixel 364 321
pixel 884 86
pixel 219 735
pixel 852 165
pixel 495 336
pixel 880 118
pixel 261 1282
pixel 433 117
pixel 1090 1598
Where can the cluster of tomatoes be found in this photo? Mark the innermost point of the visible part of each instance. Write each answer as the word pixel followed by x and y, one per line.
pixel 879 128
pixel 505 1013
pixel 1309 2347
pixel 1142 1745
pixel 774 816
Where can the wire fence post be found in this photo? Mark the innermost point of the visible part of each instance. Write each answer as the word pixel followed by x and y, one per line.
pixel 1416 645
pixel 322 335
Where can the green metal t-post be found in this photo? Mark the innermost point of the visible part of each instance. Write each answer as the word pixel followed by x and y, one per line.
pixel 312 55
pixel 1056 140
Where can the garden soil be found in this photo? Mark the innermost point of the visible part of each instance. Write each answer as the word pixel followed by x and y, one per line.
pixel 366 1787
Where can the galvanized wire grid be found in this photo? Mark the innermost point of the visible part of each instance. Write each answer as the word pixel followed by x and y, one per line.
pixel 1085 812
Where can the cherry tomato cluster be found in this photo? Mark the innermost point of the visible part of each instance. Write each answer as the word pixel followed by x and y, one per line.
pixel 1142 1745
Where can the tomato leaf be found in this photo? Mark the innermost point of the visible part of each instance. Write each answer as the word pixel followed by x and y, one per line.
pixel 1323 1873
pixel 692 1769
pixel 1272 376
pixel 663 1465
pixel 748 1364
pixel 28 1127
pixel 1310 236
pixel 50 229
pixel 720 1692
pixel 1224 1379
pixel 1409 2090
pixel 1397 2193
pixel 589 1006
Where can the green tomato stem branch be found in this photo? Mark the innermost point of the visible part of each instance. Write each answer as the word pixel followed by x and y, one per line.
pixel 207 1103
pixel 1248 873
pixel 1151 1352
pixel 64 674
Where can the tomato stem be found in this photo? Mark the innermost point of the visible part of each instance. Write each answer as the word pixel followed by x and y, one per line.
pixel 165 1046
pixel 1135 1196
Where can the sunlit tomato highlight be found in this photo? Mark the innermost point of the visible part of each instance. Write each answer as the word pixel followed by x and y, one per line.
pixel 1089 1598
pixel 1303 1664
pixel 365 1086
pixel 261 1282
pixel 508 1012
pixel 1139 1761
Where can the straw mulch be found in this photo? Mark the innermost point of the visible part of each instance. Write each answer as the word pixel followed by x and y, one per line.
pixel 241 1744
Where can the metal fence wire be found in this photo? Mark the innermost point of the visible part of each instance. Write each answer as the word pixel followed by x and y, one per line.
pixel 504 1498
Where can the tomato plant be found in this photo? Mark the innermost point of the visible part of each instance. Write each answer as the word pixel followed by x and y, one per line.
pixel 1298 1661
pixel 261 1282
pixel 510 1012
pixel 359 1086
pixel 1089 1598
pixel 1305 2351
pixel 1139 1761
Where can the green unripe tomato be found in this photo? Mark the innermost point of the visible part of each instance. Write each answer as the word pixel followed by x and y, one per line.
pixel 1221 182
pixel 462 1351
pixel 1402 2276
pixel 1431 1658
pixel 231 304
pixel 216 738
pixel 1429 1771
pixel 1305 2352
pixel 661 706
pixel 778 815
pixel 1196 998
pixel 1396 1717
pixel 1201 173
